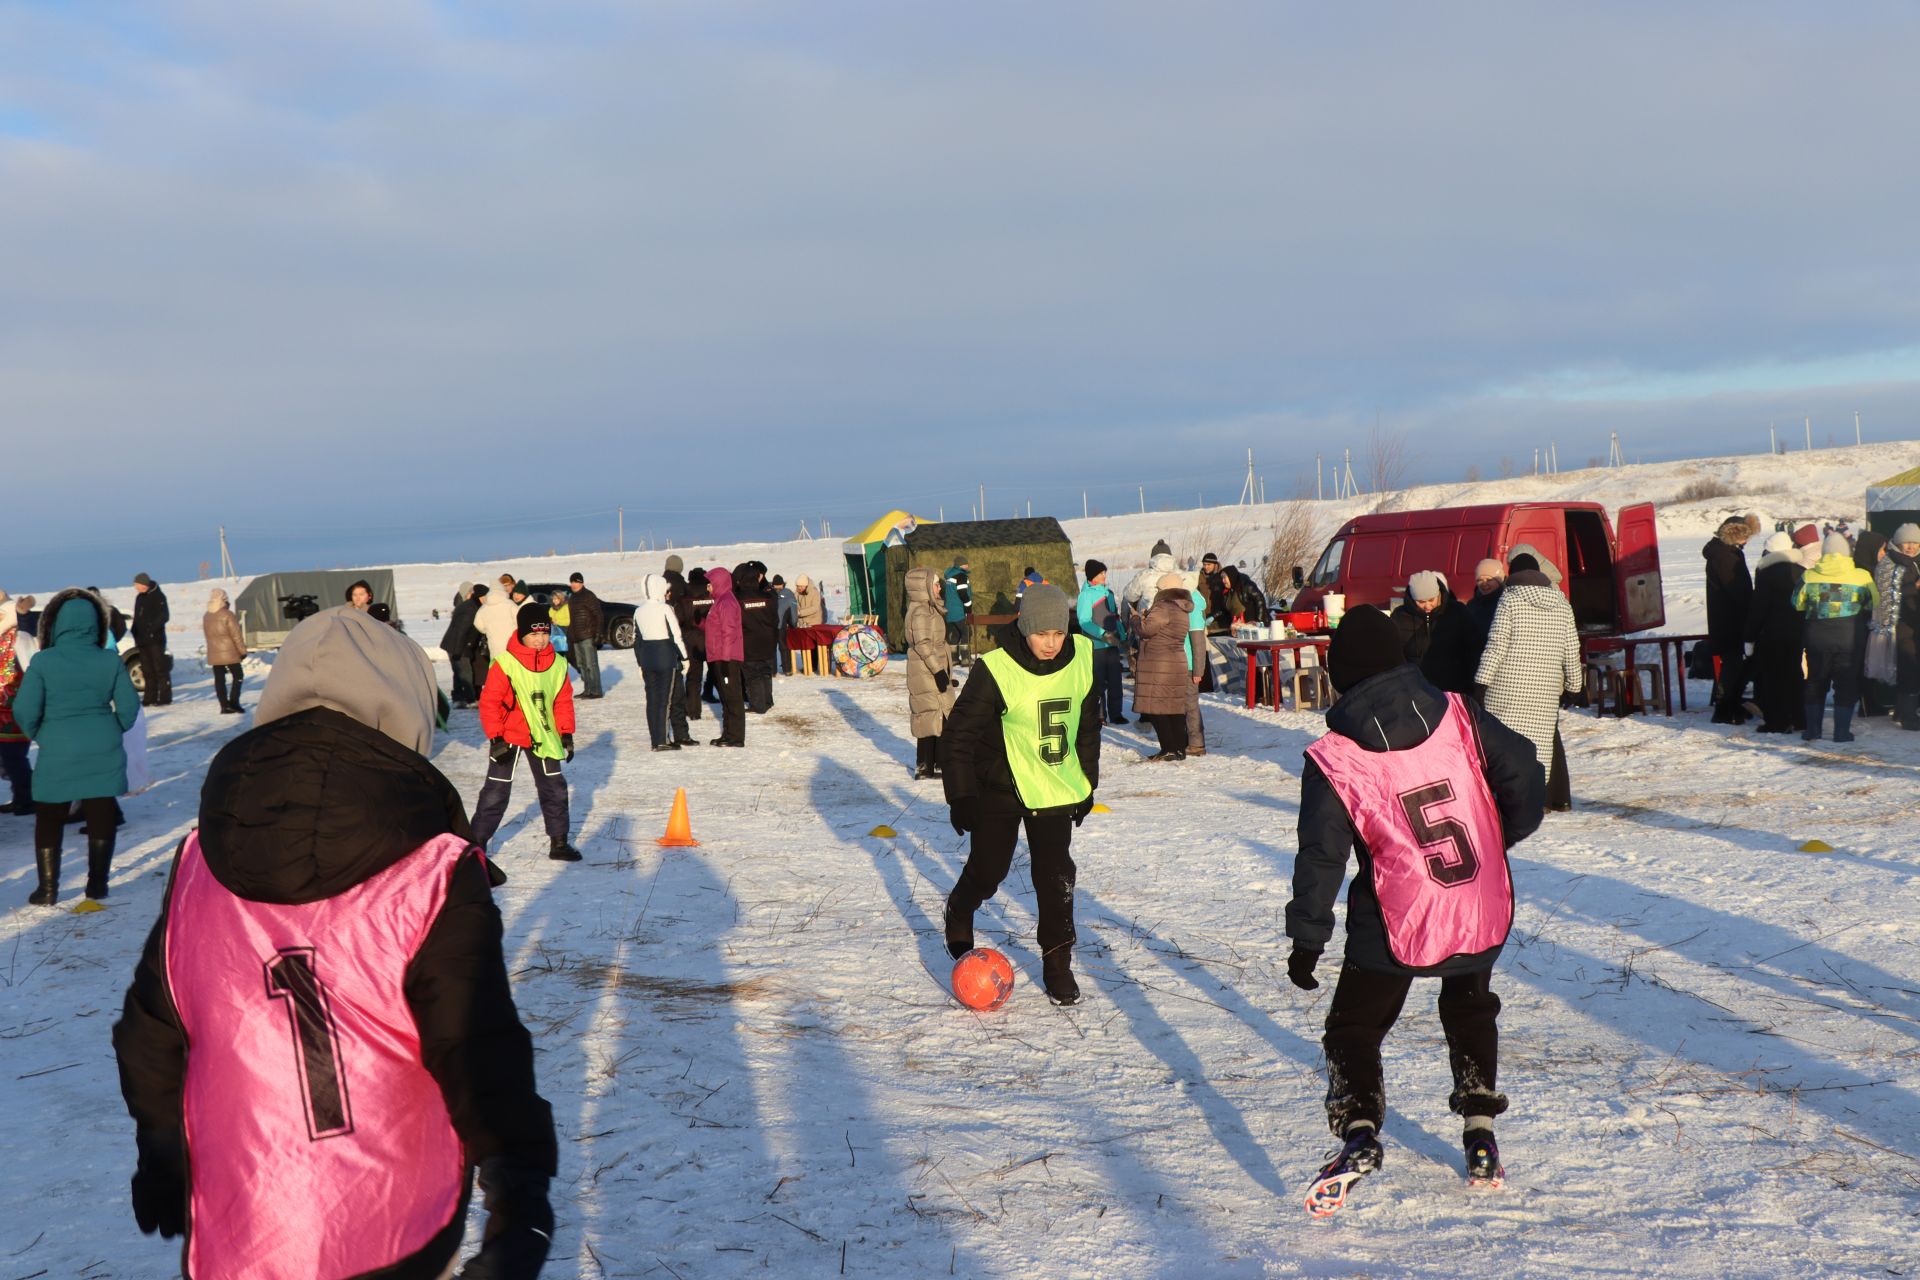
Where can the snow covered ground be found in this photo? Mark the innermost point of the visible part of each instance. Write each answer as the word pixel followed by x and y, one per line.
pixel 1711 1038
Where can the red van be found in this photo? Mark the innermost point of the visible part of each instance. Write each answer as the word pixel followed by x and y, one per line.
pixel 1611 577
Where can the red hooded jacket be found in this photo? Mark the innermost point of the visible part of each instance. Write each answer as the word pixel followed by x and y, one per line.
pixel 500 713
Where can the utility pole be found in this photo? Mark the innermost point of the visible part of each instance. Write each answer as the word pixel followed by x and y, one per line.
pixel 1856 426
pixel 1143 499
pixel 1614 458
pixel 1250 491
pixel 623 531
pixel 1773 439
pixel 983 502
pixel 226 561
pixel 1029 508
pixel 1083 504
pixel 1809 435
pixel 1536 459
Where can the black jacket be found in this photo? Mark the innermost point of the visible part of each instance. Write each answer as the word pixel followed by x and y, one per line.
pixel 150 615
pixel 461 635
pixel 302 809
pixel 692 604
pixel 1400 704
pixel 1729 592
pixel 1481 609
pixel 1444 644
pixel 1773 624
pixel 586 620
pixel 973 752
pixel 759 613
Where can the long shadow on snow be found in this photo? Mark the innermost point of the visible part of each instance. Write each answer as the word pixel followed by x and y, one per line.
pixel 883 737
pixel 1697 926
pixel 1289 1044
pixel 833 784
pixel 1664 1019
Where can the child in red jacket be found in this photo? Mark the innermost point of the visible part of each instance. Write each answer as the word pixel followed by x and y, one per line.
pixel 527 707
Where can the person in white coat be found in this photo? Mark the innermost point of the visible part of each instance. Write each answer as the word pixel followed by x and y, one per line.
pixel 661 651
pixel 1531 661
pixel 497 620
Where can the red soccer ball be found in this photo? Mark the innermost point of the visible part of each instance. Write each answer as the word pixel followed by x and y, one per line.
pixel 982 979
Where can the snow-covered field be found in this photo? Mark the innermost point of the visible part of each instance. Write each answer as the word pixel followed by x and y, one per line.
pixel 1711 1038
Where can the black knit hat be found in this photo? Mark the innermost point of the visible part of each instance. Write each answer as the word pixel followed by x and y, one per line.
pixel 533 616
pixel 1365 644
pixel 1094 570
pixel 1523 563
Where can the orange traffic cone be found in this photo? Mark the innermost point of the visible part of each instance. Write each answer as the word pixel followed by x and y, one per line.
pixel 679 825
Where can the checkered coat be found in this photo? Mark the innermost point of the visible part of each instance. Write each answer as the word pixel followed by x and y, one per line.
pixel 1532 657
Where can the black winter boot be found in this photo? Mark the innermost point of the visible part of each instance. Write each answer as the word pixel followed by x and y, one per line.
pixel 1843 724
pixel 959 931
pixel 48 863
pixel 1906 709
pixel 1816 713
pixel 563 852
pixel 99 862
pixel 1057 971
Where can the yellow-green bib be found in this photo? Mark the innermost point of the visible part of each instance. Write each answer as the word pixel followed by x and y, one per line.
pixel 1041 725
pixel 536 691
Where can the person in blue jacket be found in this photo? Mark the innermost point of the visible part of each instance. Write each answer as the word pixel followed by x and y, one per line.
pixel 956 593
pixel 1097 613
pixel 76 703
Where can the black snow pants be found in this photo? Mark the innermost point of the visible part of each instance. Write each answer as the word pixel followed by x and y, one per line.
pixel 759 682
pixel 1049 844
pixel 1777 685
pixel 677 709
pixel 730 679
pixel 694 680
pixel 1365 1007
pixel 1107 673
pixel 659 684
pixel 549 783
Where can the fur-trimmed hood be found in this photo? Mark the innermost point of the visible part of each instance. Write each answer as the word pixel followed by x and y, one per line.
pixel 49 617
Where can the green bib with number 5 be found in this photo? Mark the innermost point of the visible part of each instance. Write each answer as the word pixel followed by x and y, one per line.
pixel 1041 724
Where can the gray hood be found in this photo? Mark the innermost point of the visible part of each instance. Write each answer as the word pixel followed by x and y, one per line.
pixel 359 666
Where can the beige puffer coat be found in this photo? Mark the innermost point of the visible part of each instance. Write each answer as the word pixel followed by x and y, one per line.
pixel 1165 671
pixel 929 661
pixel 225 644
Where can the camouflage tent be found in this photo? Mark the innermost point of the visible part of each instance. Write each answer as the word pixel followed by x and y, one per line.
pixel 999 552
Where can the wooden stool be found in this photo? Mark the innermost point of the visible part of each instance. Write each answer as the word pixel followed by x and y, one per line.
pixel 823 660
pixel 1312 690
pixel 1656 684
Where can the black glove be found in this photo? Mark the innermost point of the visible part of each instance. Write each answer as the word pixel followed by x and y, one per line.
pixel 941 680
pixel 1081 810
pixel 499 750
pixel 1569 701
pixel 160 1184
pixel 1300 967
pixel 566 744
pixel 519 1223
pixel 960 813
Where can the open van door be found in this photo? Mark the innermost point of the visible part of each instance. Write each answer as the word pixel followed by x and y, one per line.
pixel 1636 570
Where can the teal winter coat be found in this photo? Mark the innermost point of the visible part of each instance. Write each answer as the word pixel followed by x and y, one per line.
pixel 76 702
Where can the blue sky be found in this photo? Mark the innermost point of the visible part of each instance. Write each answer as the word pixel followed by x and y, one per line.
pixel 381 279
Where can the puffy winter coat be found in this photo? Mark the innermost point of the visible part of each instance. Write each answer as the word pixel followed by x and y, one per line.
pixel 691 601
pixel 496 619
pixel 461 634
pixel 225 644
pixel 809 609
pixel 294 814
pixel 1729 591
pixel 76 701
pixel 1163 677
pixel 1394 711
pixel 930 692
pixel 501 715
pixel 17 647
pixel 1532 657
pixel 1774 623
pixel 973 750
pixel 1444 644
pixel 660 645
pixel 725 639
pixel 1897 579
pixel 1145 585
pixel 1833 594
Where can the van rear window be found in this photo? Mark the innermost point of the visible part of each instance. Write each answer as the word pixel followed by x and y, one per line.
pixel 1327 572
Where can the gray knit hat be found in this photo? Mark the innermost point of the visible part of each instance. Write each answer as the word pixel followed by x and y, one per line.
pixel 1043 608
pixel 1837 545
pixel 676 565
pixel 1424 585
pixel 1906 533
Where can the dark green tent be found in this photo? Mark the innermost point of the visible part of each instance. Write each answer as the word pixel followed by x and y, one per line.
pixel 999 552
